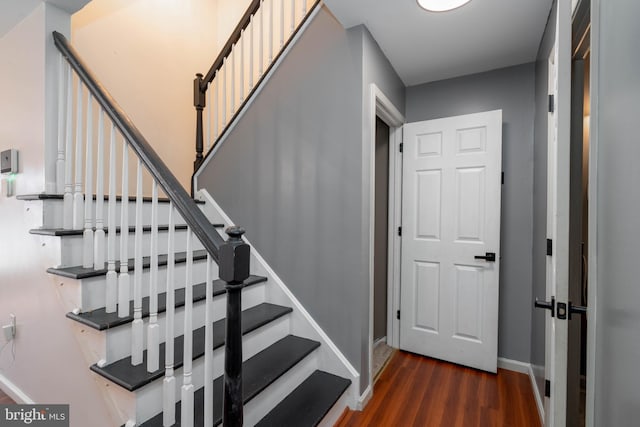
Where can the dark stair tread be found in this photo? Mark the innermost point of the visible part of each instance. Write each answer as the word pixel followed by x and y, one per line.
pixel 60 232
pixel 79 272
pixel 52 196
pixel 132 377
pixel 99 319
pixel 259 372
pixel 308 404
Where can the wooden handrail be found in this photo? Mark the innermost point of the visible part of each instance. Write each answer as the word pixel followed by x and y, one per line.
pixel 183 203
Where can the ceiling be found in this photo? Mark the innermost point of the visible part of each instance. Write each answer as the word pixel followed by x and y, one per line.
pixel 425 46
pixel 14 11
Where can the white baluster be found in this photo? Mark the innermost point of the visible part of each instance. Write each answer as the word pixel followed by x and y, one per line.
pixel 281 23
pixel 293 16
pixel 68 169
pixel 233 79
pixel 251 34
pixel 112 277
pixel 241 53
pixel 169 383
pixel 62 115
pixel 261 38
pixel 87 236
pixel 124 287
pixel 137 327
pixel 224 93
pixel 215 106
pixel 208 347
pixel 153 332
pixel 304 8
pixel 271 7
pixel 98 258
pixel 209 112
pixel 78 197
pixel 187 386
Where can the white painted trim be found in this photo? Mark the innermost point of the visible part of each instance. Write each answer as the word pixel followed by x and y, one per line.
pixel 536 394
pixel 256 92
pixel 592 268
pixel 334 360
pixel 514 365
pixel 13 391
pixel 395 221
pixel 380 105
pixel 365 398
pixel 527 369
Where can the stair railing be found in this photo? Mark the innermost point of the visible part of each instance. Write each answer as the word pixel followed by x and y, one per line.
pixel 83 101
pixel 261 36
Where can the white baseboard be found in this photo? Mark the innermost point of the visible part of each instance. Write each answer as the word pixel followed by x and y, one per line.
pixel 514 365
pixel 527 369
pixel 13 391
pixel 365 398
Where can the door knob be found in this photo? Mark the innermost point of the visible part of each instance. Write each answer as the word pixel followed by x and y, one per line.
pixel 547 305
pixel 488 256
pixel 576 309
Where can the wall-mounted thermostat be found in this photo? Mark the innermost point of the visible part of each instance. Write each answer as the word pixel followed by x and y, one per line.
pixel 9 161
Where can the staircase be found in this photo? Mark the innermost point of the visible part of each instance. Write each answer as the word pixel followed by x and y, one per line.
pixel 139 259
pixel 282 384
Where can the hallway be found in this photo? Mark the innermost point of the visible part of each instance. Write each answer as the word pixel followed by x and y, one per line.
pixel 418 391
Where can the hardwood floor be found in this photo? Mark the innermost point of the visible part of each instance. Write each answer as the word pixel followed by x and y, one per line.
pixel 417 391
pixel 4 399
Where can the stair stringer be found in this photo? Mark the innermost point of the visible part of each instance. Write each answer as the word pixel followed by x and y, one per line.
pixel 330 358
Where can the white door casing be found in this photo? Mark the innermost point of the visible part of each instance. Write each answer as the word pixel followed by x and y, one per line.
pixel 450 214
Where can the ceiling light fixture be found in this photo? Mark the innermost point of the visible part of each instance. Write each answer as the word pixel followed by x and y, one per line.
pixel 441 5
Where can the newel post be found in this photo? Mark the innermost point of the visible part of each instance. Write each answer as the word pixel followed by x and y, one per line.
pixel 199 101
pixel 234 270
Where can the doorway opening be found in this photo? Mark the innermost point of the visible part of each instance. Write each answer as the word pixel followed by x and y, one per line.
pixel 381 350
pixel 381 109
pixel 579 218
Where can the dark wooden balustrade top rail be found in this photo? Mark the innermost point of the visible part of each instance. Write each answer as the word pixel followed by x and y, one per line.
pixel 182 201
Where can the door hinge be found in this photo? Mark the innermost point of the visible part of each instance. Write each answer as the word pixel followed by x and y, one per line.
pixel 502 177
pixel 549 247
pixel 401 146
pixel 398 314
pixel 399 231
pixel 547 388
pixel 552 105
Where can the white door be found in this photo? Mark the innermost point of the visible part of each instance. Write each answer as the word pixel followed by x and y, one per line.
pixel 558 185
pixel 450 216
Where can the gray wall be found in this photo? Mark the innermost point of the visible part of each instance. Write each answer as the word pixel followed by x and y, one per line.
pixel 291 173
pixel 617 303
pixel 539 258
pixel 512 90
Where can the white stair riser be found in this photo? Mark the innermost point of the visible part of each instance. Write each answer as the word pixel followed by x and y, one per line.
pixel 53 213
pixel 118 340
pixel 258 407
pixel 91 293
pixel 149 398
pixel 72 250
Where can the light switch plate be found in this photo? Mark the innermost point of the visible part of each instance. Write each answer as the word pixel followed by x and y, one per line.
pixel 9 161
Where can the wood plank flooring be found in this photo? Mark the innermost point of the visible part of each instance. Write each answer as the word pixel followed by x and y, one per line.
pixel 417 391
